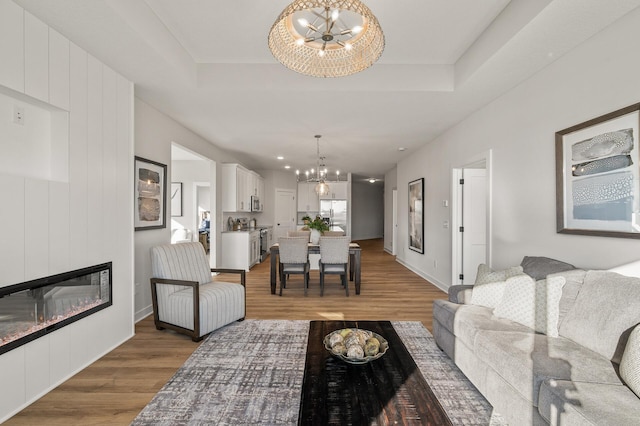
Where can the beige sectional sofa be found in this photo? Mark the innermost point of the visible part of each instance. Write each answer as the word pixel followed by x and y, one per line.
pixel 535 378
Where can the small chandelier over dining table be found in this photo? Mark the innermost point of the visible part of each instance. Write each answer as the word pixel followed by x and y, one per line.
pixel 326 38
pixel 321 188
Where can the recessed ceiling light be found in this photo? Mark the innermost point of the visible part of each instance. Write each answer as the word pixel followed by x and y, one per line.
pixel 402 148
pixel 372 180
pixel 287 167
pixel 280 157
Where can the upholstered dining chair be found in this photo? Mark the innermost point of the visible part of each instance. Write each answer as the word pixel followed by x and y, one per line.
pixel 299 234
pixel 184 297
pixel 294 259
pixel 334 259
pixel 333 233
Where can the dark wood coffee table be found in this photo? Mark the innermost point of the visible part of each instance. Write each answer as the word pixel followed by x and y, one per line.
pixel 390 390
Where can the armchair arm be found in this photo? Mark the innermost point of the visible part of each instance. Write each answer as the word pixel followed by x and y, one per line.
pixel 195 288
pixel 242 273
pixel 460 294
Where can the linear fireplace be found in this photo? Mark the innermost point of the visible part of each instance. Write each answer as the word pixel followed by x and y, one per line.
pixel 35 308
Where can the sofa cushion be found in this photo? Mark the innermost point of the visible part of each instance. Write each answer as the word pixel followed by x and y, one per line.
pixel 574 279
pixel 630 363
pixel 539 267
pixel 533 304
pixel 605 311
pixel 527 359
pixel 564 402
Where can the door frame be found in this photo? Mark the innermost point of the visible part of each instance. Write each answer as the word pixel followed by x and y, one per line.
pixel 394 219
pixel 457 206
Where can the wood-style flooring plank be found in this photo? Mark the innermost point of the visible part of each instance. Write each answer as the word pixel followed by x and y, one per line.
pixel 114 389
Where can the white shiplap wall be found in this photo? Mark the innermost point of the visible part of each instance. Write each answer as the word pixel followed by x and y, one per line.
pixel 81 215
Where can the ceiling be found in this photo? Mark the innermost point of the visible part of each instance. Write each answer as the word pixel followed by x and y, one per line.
pixel 206 64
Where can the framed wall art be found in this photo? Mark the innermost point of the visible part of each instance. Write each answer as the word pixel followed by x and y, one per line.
pixel 598 175
pixel 150 183
pixel 416 215
pixel 176 199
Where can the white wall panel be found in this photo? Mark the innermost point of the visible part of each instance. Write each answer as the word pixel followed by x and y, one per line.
pixel 124 269
pixel 109 145
pixel 95 162
pixel 59 229
pixel 36 360
pixel 60 354
pixel 36 57
pixel 78 188
pixel 12 45
pixel 36 230
pixel 12 371
pixel 12 217
pixel 58 70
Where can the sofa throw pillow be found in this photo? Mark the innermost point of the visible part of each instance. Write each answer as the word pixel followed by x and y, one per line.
pixel 630 364
pixel 488 294
pixel 574 278
pixel 538 267
pixel 532 304
pixel 607 306
pixel 487 275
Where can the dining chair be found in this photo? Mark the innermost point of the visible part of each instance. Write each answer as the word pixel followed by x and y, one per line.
pixel 333 233
pixel 299 234
pixel 334 259
pixel 294 259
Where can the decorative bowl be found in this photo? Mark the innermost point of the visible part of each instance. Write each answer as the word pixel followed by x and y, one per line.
pixel 384 345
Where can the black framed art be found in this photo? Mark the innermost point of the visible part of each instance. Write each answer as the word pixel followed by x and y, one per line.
pixel 150 183
pixel 416 215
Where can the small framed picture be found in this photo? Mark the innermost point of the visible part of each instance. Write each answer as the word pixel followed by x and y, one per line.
pixel 598 175
pixel 150 183
pixel 176 199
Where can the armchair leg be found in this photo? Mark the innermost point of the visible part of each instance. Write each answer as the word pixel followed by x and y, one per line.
pixel 321 284
pixel 283 282
pixel 306 282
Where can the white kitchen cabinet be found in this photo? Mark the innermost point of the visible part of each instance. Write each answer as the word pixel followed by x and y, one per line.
pixel 337 191
pixel 307 197
pixel 236 188
pixel 260 191
pixel 36 57
pixel 240 250
pixel 12 45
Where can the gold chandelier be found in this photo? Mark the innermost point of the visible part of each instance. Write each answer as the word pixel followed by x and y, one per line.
pixel 326 38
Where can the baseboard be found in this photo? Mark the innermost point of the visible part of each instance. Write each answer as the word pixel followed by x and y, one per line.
pixel 143 313
pixel 442 286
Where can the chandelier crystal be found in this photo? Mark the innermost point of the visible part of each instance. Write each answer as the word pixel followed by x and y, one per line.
pixel 326 38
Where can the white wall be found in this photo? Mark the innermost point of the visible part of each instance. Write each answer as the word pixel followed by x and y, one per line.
pixel 597 77
pixel 367 210
pixel 79 218
pixel 154 134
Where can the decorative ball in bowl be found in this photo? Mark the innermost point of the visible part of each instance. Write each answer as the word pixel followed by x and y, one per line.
pixel 356 346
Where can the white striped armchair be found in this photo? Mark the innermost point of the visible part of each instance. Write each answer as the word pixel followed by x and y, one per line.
pixel 184 297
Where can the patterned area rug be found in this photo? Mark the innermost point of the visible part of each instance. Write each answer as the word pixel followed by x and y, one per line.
pixel 251 372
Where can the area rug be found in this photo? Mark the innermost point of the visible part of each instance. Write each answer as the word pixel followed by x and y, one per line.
pixel 251 372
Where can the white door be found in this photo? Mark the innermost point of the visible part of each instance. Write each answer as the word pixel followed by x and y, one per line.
pixel 474 221
pixel 285 215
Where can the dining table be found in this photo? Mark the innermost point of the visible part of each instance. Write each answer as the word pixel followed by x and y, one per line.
pixel 354 263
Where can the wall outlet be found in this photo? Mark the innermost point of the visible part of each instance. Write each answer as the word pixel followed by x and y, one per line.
pixel 435 264
pixel 18 115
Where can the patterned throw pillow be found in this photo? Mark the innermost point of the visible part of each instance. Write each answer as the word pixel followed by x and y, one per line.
pixel 489 286
pixel 630 364
pixel 532 304
pixel 487 275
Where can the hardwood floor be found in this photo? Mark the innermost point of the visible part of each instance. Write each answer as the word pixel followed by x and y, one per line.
pixel 114 389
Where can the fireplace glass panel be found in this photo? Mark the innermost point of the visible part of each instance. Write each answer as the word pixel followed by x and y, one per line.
pixel 32 309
